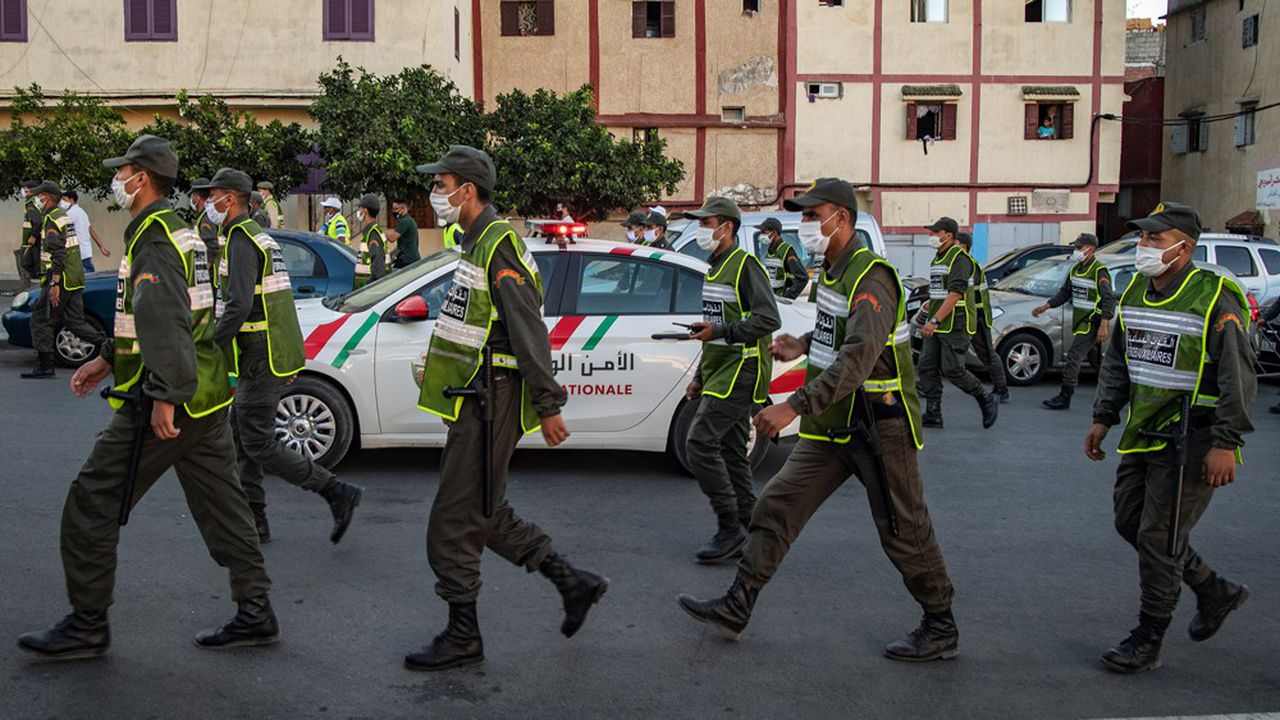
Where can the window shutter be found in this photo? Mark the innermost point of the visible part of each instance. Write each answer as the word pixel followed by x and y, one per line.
pixel 1178 143
pixel 137 19
pixel 457 34
pixel 1032 121
pixel 546 17
pixel 336 19
pixel 638 19
pixel 510 18
pixel 1066 121
pixel 668 19
pixel 13 17
pixel 162 18
pixel 361 19
pixel 912 124
pixel 1204 136
pixel 1240 129
pixel 949 111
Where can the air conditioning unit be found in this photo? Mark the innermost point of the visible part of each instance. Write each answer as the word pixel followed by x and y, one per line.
pixel 1050 201
pixel 825 90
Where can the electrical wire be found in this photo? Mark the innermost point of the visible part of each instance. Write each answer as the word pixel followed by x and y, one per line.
pixel 71 60
pixel 204 62
pixel 1221 117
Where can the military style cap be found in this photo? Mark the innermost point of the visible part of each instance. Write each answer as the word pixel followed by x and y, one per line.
pixel 636 217
pixel 28 184
pixel 1170 216
pixel 266 185
pixel 255 197
pixel 151 153
pixel 825 190
pixel 472 165
pixel 370 202
pixel 944 224
pixel 770 224
pixel 200 185
pixel 228 179
pixel 48 186
pixel 1085 239
pixel 717 206
pixel 655 219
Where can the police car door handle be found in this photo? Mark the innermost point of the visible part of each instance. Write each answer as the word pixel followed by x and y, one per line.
pixel 357 351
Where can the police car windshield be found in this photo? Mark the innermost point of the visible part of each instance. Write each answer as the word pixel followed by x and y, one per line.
pixel 1043 278
pixel 378 290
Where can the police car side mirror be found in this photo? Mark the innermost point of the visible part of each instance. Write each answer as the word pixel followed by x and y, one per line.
pixel 411 309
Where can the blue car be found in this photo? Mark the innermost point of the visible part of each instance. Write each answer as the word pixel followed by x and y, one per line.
pixel 318 267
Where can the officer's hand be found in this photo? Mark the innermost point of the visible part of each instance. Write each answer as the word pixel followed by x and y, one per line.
pixel 54 294
pixel 1104 332
pixel 162 420
pixel 700 331
pixel 786 347
pixel 1040 310
pixel 554 430
pixel 1219 467
pixel 929 329
pixel 771 420
pixel 1093 442
pixel 88 376
pixel 693 391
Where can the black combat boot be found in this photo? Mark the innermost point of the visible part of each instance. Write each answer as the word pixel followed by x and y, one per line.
pixel 580 589
pixel 254 624
pixel 459 644
pixel 1141 650
pixel 1061 401
pixel 343 499
pixel 1004 396
pixel 726 543
pixel 728 613
pixel 1214 601
pixel 77 636
pixel 744 519
pixel 260 521
pixel 43 368
pixel 989 403
pixel 937 638
pixel 933 414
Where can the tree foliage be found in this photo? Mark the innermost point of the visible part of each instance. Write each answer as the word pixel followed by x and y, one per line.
pixel 63 141
pixel 373 130
pixel 549 149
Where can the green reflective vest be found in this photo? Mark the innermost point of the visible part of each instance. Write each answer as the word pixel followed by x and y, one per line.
pixel 30 221
pixel 364 269
pixel 466 317
pixel 57 220
pixel 1165 352
pixel 722 304
pixel 836 302
pixel 451 234
pixel 271 207
pixel 275 293
pixel 981 291
pixel 213 390
pixel 1084 294
pixel 775 263
pixel 938 272
pixel 337 229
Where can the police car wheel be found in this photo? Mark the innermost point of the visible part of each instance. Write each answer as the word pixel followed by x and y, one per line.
pixel 70 351
pixel 1025 358
pixel 315 419
pixel 677 447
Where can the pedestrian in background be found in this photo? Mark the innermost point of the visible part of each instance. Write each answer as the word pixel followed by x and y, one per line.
pixel 85 234
pixel 1093 304
pixel 256 212
pixel 787 275
pixel 404 235
pixel 983 345
pixel 271 206
pixel 634 225
pixel 335 225
pixel 654 231
pixel 371 252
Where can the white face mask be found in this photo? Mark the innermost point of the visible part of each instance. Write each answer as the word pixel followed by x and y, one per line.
pixel 446 212
pixel 211 211
pixel 1077 256
pixel 631 236
pixel 810 234
pixel 1150 261
pixel 706 237
pixel 935 241
pixel 64 204
pixel 123 199
pixel 360 216
pixel 650 235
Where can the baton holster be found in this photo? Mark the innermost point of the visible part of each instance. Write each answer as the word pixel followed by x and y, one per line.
pixel 140 405
pixel 481 389
pixel 864 427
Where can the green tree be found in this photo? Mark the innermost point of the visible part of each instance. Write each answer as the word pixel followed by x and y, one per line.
pixel 375 129
pixel 549 149
pixel 64 141
pixel 208 135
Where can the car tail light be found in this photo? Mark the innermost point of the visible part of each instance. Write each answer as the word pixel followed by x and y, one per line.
pixel 1255 312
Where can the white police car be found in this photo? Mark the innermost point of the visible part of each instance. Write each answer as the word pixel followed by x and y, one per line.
pixel 603 303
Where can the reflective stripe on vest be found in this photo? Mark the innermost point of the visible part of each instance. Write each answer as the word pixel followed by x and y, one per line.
pixel 722 361
pixel 938 292
pixel 1085 296
pixel 274 292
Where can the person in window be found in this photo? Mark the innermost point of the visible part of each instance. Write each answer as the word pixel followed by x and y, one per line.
pixel 1048 129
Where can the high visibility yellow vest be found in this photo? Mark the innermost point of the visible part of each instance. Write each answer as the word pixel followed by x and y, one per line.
pixel 722 361
pixel 938 292
pixel 1085 295
pixel 274 291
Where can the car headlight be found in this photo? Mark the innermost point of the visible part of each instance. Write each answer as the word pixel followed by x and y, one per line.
pixel 996 312
pixel 20 300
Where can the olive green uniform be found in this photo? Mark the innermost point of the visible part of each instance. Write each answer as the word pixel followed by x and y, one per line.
pixel 787 274
pixel 817 468
pixel 201 455
pixel 1145 480
pixel 371 255
pixel 943 354
pixel 1085 331
pixel 983 344
pixel 59 254
pixel 212 240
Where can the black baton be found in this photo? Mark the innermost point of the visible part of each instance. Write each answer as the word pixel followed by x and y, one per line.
pixel 483 396
pixel 866 429
pixel 1178 437
pixel 140 405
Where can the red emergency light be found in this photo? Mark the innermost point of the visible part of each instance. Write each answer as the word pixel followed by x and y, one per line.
pixel 566 229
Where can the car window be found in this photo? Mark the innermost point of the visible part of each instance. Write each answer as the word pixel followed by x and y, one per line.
pixel 300 261
pixel 1237 259
pixel 1043 278
pixel 1200 253
pixel 1270 260
pixel 688 293
pixel 1121 277
pixel 619 285
pixel 366 297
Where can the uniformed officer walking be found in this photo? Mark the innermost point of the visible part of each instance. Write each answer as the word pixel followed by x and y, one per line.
pixel 1182 334
pixel 258 329
pixel 495 301
pixel 61 301
pixel 859 368
pixel 1088 289
pixel 983 345
pixel 206 228
pixel 949 326
pixel 270 205
pixel 164 312
pixel 371 252
pixel 653 231
pixel 739 317
pixel 335 225
pixel 787 275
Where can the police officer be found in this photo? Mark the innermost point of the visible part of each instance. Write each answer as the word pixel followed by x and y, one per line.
pixel 372 249
pixel 405 235
pixel 859 353
pixel 738 319
pixel 787 275
pixel 335 225
pixel 634 225
pixel 256 212
pixel 950 322
pixel 258 329
pixel 1183 331
pixel 164 301
pixel 654 231
pixel 495 300
pixel 207 229
pixel 61 301
pixel 271 206
pixel 983 345
pixel 1088 289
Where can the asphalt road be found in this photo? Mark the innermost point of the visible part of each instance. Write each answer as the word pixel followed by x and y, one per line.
pixel 1043 586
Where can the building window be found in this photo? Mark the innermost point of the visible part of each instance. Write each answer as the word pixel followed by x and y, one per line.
pixel 1197 24
pixel 644 136
pixel 1190 135
pixel 653 19
pixel 349 20
pixel 457 34
pixel 733 114
pixel 1048 11
pixel 526 18
pixel 1246 124
pixel 931 121
pixel 1049 121
pixel 929 11
pixel 751 7
pixel 149 20
pixel 13 20
pixel 1249 32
